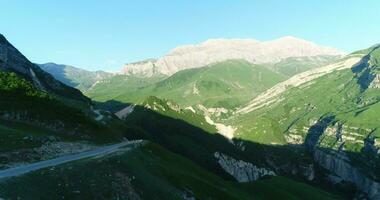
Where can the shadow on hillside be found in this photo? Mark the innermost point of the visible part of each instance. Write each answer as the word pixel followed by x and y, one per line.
pixel 177 135
pixel 363 72
pixel 110 105
pixel 60 74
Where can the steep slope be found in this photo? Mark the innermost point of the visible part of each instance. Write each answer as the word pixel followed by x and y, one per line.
pixel 226 84
pixel 295 65
pixel 22 101
pixel 11 60
pixel 36 110
pixel 73 76
pixel 273 93
pixel 217 50
pixel 334 116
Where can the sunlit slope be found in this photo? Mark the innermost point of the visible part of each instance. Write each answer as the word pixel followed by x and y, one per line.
pixel 227 84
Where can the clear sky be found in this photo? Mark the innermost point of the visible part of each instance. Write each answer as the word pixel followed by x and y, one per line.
pixel 105 34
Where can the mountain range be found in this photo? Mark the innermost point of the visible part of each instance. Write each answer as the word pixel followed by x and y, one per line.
pixel 224 119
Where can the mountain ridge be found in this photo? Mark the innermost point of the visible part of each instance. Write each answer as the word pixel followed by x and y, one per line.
pixel 216 50
pixel 73 76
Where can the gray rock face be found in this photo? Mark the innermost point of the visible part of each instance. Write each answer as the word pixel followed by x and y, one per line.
pixel 242 171
pixel 375 82
pixel 217 50
pixel 333 158
pixel 338 164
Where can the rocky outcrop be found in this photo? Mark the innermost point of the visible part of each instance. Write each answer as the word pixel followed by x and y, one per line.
pixel 217 50
pixel 325 141
pixel 367 71
pixel 123 114
pixel 339 165
pixel 375 82
pixel 242 171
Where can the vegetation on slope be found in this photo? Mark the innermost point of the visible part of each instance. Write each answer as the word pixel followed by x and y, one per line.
pixel 348 97
pixel 295 65
pixel 22 102
pixel 128 85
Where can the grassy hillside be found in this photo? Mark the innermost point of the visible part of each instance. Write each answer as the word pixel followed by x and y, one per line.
pixel 127 85
pixel 339 111
pixel 22 102
pixel 295 65
pixel 146 172
pixel 226 84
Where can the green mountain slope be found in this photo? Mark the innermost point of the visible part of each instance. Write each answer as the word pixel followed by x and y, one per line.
pixel 147 172
pixel 74 77
pixel 295 65
pixel 335 117
pixel 350 95
pixel 22 102
pixel 227 84
pixel 36 109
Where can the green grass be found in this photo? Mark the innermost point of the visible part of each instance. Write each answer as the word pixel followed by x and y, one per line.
pixel 115 86
pixel 151 172
pixel 295 65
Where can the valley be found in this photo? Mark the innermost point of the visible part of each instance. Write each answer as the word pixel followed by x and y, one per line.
pixel 276 119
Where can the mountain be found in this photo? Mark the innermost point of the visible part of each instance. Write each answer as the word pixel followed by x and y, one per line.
pixel 331 112
pixel 35 105
pixel 73 76
pixel 187 150
pixel 11 60
pixel 217 50
pixel 227 85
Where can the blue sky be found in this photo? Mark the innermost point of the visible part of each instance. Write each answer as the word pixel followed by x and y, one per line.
pixel 106 34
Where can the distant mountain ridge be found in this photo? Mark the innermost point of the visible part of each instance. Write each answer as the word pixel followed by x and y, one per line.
pixel 73 76
pixel 217 50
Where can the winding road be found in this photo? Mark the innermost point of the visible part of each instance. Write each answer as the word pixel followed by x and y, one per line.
pixel 104 150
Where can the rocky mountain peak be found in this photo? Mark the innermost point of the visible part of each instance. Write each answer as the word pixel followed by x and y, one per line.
pixel 2 39
pixel 217 50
